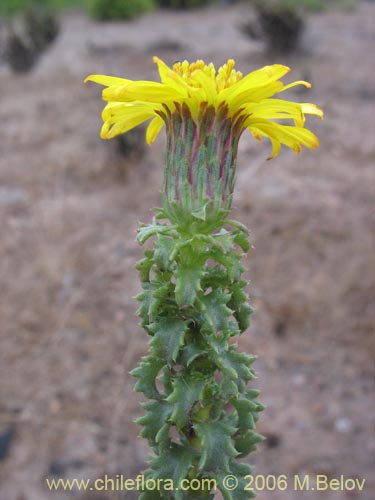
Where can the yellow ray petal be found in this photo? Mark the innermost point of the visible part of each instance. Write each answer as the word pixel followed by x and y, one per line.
pixel 293 137
pixel 168 76
pixel 258 78
pixel 142 91
pixel 107 80
pixel 153 129
pixel 207 84
pixel 252 95
pixel 277 109
pixel 294 84
pixel 119 110
pixel 124 120
pixel 312 109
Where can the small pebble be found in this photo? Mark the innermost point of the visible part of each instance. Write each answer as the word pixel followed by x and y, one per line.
pixel 343 425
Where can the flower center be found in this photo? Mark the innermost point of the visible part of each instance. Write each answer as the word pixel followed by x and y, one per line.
pixel 225 77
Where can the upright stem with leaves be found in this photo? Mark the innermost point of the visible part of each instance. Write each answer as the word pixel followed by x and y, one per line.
pixel 200 412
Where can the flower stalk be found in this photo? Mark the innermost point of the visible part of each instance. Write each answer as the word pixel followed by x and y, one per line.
pixel 200 412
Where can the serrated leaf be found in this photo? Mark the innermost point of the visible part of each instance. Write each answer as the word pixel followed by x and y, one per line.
pixel 150 495
pixel 155 425
pixel 200 213
pixel 144 266
pixel 238 225
pixel 245 409
pixel 191 352
pixel 216 444
pixel 166 378
pixel 238 295
pixel 232 263
pixel 187 390
pixel 168 337
pixel 163 250
pixel 173 465
pixel 234 364
pixel 242 316
pixel 241 309
pixel 246 442
pixel 228 388
pixel 240 471
pixel 216 312
pixel 242 240
pixel 225 240
pixel 215 277
pixel 146 231
pixel 154 300
pixel 148 303
pixel 188 283
pixel 146 374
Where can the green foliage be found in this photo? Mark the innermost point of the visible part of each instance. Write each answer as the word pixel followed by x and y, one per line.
pixel 119 9
pixel 12 7
pixel 202 415
pixel 308 5
pixel 183 4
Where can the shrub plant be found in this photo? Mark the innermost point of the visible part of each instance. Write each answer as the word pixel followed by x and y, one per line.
pixel 119 9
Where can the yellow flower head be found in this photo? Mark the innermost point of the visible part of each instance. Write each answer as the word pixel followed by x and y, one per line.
pixel 246 100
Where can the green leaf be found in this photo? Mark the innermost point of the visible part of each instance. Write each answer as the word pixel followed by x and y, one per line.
pixel 168 337
pixel 147 300
pixel 150 495
pixel 232 263
pixel 241 472
pixel 155 422
pixel 245 409
pixel 188 283
pixel 242 316
pixel 163 251
pixel 166 378
pixel 146 374
pixel 247 442
pixel 216 312
pixel 200 213
pixel 173 465
pixel 234 364
pixel 242 240
pixel 144 266
pixel 148 230
pixel 239 304
pixel 216 443
pixel 187 390
pixel 154 300
pixel 228 388
pixel 215 277
pixel 191 352
pixel 225 240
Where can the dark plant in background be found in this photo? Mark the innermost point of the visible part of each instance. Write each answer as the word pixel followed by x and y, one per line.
pixel 183 4
pixel 28 35
pixel 279 23
pixel 132 144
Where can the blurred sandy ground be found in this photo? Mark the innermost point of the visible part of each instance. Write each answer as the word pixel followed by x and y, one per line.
pixel 70 206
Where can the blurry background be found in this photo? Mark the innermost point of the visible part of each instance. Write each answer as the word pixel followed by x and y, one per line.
pixel 70 205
